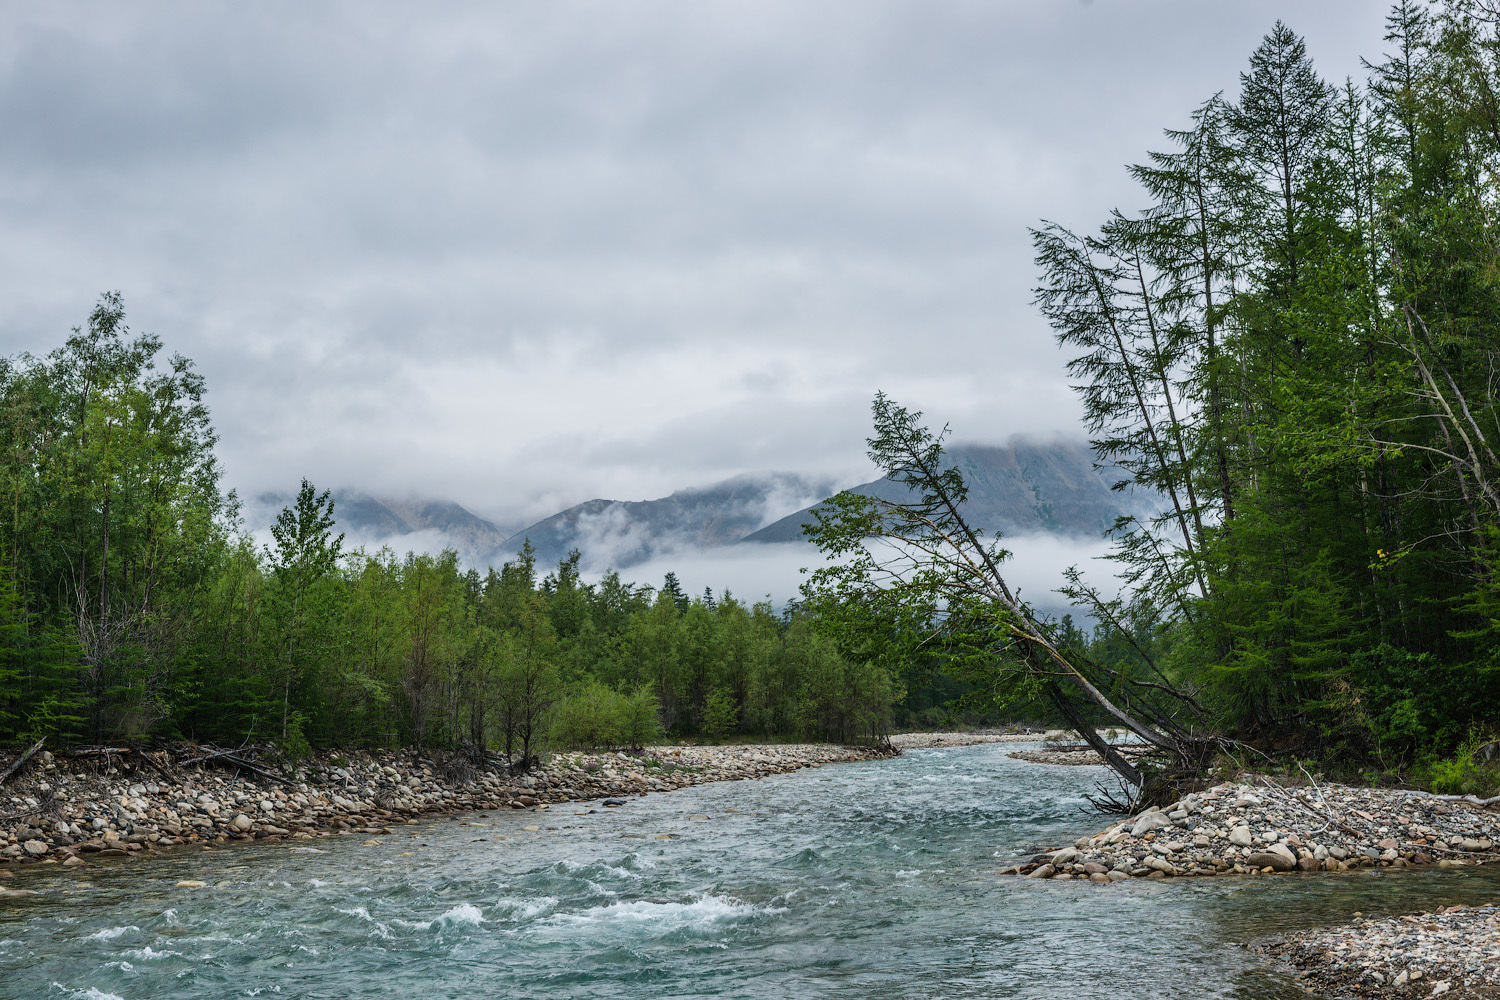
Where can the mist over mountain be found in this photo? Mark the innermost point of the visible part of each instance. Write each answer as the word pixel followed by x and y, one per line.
pixel 1025 487
pixel 414 524
pixel 624 533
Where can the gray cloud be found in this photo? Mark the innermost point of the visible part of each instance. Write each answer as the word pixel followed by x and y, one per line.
pixel 523 255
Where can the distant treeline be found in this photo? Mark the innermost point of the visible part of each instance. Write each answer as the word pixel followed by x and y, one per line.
pixel 133 603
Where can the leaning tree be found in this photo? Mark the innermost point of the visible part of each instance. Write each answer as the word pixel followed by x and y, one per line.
pixel 916 571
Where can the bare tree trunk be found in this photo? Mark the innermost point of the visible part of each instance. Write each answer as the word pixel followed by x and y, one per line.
pixel 1091 736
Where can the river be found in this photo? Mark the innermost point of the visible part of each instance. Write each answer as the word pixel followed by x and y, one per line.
pixel 865 880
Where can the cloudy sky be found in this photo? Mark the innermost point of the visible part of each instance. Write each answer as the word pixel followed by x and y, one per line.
pixel 525 254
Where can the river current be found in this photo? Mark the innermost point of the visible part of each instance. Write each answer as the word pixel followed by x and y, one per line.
pixel 865 880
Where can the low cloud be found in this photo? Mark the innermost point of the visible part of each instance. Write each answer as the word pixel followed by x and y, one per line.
pixel 526 255
pixel 754 572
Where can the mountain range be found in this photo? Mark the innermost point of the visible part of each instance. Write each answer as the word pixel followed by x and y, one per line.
pixel 1023 487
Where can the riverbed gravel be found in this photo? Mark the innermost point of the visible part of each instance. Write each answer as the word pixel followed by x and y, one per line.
pixel 1262 828
pixel 70 811
pixel 1452 952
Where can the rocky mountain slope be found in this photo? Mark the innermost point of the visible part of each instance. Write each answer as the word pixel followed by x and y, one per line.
pixel 1024 487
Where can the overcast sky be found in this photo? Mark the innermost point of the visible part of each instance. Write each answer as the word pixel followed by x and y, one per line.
pixel 524 254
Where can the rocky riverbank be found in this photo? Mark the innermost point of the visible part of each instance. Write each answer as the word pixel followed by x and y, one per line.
pixel 1078 756
pixel 72 809
pixel 922 741
pixel 1264 829
pixel 1454 952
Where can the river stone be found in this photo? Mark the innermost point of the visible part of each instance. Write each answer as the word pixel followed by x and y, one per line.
pixel 35 848
pixel 1098 877
pixel 1160 864
pixel 242 823
pixel 1269 859
pixel 1094 868
pixel 1284 851
pixel 1241 836
pixel 1043 872
pixel 1118 876
pixel 1064 856
pixel 74 861
pixel 1147 823
pixel 1309 864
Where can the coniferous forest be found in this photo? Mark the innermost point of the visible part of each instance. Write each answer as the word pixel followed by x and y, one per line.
pixel 1291 340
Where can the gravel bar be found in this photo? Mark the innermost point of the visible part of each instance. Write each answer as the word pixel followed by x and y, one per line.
pixel 71 811
pixel 1265 829
pixel 1454 952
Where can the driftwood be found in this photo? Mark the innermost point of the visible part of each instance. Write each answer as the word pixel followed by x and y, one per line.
pixel 1493 800
pixel 232 758
pixel 20 761
pixel 44 807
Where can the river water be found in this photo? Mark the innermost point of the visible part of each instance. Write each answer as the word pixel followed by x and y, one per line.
pixel 864 880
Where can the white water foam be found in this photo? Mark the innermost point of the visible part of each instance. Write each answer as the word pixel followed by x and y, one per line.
pixel 89 993
pixel 525 909
pixel 148 953
pixel 706 910
pixel 364 914
pixel 463 913
pixel 110 933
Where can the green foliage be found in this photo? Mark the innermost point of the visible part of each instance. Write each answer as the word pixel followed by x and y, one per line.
pixel 294 745
pixel 1464 773
pixel 720 715
pixel 590 717
pixel 642 723
pixel 133 604
pixel 1292 345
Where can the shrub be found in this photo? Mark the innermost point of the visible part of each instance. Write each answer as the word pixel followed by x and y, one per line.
pixel 642 722
pixel 720 715
pixel 1464 773
pixel 592 715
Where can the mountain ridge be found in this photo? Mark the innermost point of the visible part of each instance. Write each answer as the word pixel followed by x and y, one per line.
pixel 1025 486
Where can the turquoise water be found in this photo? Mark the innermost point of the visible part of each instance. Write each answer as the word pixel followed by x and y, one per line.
pixel 854 880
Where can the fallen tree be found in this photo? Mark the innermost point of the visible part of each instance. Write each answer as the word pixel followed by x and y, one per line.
pixel 916 571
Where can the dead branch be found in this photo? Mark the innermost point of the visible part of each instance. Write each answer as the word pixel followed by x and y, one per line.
pixel 20 761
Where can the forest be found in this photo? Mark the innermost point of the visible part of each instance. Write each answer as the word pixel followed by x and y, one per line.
pixel 1290 341
pixel 135 604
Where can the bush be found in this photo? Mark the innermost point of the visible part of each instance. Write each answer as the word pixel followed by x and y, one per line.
pixel 720 715
pixel 592 715
pixel 642 722
pixel 294 745
pixel 1464 773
